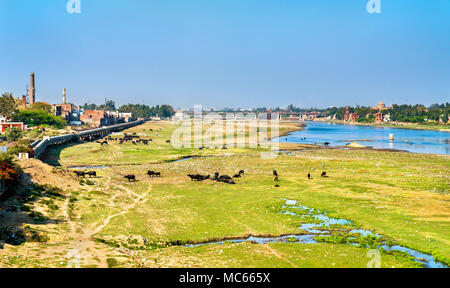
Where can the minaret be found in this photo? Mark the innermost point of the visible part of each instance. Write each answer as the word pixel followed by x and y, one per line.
pixel 32 89
pixel 64 96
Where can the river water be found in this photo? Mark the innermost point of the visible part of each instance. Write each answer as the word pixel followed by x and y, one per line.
pixel 418 141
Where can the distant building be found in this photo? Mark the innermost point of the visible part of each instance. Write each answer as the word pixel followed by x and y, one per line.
pixel 119 117
pixel 379 117
pixel 381 107
pixel 350 117
pixel 95 118
pixel 5 125
pixel 99 118
pixel 66 110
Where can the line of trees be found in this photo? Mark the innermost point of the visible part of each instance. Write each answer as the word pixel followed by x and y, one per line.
pixel 138 110
pixel 400 113
pixel 144 111
pixel 108 106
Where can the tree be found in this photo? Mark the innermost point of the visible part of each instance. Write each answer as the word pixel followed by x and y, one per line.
pixel 8 105
pixel 166 111
pixel 9 174
pixel 39 118
pixel 41 106
pixel 13 134
pixel 109 106
pixel 291 108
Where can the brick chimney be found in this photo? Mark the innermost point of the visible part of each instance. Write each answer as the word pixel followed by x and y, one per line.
pixel 32 89
pixel 24 101
pixel 64 96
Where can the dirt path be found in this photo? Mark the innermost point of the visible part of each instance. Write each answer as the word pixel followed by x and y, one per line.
pixel 131 206
pixel 271 250
pixel 82 250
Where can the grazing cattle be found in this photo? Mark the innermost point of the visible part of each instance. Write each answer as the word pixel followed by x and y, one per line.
pixel 130 178
pixel 276 179
pixel 225 178
pixel 80 173
pixel 327 143
pixel 91 174
pixel 275 173
pixel 277 186
pixel 167 141
pixel 309 176
pixel 237 176
pixel 198 177
pixel 224 148
pixel 241 173
pixel 227 181
pixel 324 175
pixel 154 174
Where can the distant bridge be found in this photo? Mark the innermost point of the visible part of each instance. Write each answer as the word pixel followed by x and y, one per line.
pixel 39 146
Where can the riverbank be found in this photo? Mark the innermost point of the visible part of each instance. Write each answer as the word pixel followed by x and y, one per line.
pixel 413 126
pixel 336 134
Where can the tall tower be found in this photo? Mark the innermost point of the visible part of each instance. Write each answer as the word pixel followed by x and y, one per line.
pixel 32 90
pixel 64 96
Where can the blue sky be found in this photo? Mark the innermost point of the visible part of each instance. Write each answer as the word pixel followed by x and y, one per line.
pixel 228 53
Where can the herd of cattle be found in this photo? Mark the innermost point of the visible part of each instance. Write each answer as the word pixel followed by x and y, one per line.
pixel 133 139
pixel 194 177
pixel 136 139
pixel 217 177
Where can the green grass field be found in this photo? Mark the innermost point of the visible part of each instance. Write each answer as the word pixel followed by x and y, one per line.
pixel 402 196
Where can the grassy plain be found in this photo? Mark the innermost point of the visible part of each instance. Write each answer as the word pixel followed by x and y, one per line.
pixel 403 196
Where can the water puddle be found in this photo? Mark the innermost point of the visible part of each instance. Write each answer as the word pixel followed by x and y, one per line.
pixel 323 226
pixel 185 159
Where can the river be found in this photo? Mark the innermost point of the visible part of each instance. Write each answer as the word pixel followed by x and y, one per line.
pixel 418 141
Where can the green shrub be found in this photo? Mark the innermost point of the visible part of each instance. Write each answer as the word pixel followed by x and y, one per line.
pixel 13 134
pixel 19 148
pixel 39 118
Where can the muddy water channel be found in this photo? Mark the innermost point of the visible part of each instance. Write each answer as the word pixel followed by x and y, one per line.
pixel 320 228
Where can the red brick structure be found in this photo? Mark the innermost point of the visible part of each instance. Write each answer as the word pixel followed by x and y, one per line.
pixel 64 110
pixel 379 117
pixel 6 125
pixel 350 117
pixel 32 90
pixel 95 118
pixel 353 117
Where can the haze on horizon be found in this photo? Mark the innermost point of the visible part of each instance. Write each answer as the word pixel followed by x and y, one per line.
pixel 228 53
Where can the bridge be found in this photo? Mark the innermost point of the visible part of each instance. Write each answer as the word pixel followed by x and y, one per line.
pixel 39 146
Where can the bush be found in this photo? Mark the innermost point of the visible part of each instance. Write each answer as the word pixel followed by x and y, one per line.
pixel 9 175
pixel 39 118
pixel 20 148
pixel 13 134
